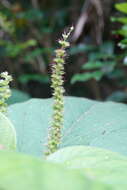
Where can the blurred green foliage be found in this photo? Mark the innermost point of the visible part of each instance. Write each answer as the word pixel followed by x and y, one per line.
pixel 108 61
pixel 28 35
pixel 122 7
pixel 100 62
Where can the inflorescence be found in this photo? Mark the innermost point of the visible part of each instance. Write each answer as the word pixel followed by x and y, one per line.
pixel 5 91
pixel 57 81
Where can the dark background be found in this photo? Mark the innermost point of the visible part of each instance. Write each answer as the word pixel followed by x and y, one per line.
pixel 29 31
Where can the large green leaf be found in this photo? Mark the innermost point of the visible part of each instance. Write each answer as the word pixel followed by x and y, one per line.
pixel 86 122
pixel 7 134
pixel 21 172
pixel 102 165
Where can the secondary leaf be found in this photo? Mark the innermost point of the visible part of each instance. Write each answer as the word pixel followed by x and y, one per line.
pixel 100 164
pixel 7 134
pixel 21 172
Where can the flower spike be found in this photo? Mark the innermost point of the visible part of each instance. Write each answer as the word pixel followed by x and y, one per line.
pixel 57 81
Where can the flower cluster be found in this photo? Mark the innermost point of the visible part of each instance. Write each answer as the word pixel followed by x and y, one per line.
pixel 58 92
pixel 5 91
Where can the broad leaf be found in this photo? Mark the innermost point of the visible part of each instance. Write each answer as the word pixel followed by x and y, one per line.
pixel 7 134
pixel 102 165
pixel 21 172
pixel 87 122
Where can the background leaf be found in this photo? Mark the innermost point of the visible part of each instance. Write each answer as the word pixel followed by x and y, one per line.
pixel 97 75
pixel 121 7
pixel 17 96
pixel 36 77
pixel 118 96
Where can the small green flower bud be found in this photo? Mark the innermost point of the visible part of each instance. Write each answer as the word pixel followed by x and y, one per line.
pixel 59 60
pixel 64 44
pixel 60 52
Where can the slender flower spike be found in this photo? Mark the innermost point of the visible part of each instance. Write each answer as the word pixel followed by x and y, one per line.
pixel 54 138
pixel 5 91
